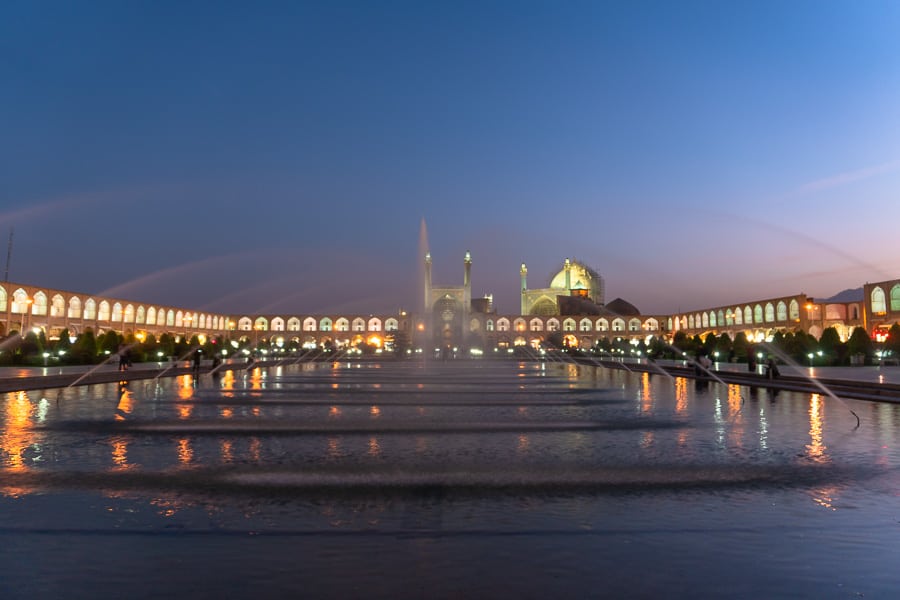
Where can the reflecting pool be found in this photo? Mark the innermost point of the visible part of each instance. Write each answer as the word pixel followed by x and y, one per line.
pixel 446 480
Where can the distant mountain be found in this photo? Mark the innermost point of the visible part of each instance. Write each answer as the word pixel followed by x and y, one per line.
pixel 848 295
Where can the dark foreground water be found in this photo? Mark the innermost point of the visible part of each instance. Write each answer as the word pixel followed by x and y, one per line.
pixel 446 480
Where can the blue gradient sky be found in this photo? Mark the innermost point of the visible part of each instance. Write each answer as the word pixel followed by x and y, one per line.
pixel 268 157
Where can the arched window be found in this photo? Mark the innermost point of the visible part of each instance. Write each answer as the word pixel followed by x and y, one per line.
pixel 40 304
pixel 634 325
pixel 757 314
pixel 552 324
pixel 245 324
pixel 151 316
pixel 117 312
pixel 293 324
pixel 585 325
pixel 141 316
pixel 770 312
pixel 391 324
pixel 170 318
pixel 738 316
pixel 602 325
pixel 277 324
pixel 748 316
pixel 683 322
pixel 179 319
pixel 261 324
pixel 669 322
pixel 3 298
pixel 705 320
pixel 794 310
pixel 651 324
pixel 342 324
pixel 374 324
pixel 519 324
pixel 537 325
pixel 128 315
pixel 103 313
pixel 57 306
pixel 162 316
pixel 878 305
pixel 618 324
pixel 729 318
pixel 895 298
pixel 489 325
pixel 781 311
pixel 90 309
pixel 474 325
pixel 324 324
pixel 309 324
pixel 569 325
pixel 691 321
pixel 359 324
pixel 202 322
pixel 503 324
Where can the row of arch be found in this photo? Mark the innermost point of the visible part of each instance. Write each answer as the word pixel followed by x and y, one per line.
pixel 758 314
pixel 357 324
pixel 40 304
pixel 879 299
pixel 551 324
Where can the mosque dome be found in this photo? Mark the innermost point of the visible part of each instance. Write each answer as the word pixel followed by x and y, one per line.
pixel 621 307
pixel 579 277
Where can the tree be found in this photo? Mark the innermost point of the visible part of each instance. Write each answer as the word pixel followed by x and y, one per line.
pixel 893 341
pixel 860 344
pixel 833 349
pixel 740 346
pixel 724 346
pixel 84 350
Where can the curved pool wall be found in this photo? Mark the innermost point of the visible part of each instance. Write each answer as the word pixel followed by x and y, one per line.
pixel 445 479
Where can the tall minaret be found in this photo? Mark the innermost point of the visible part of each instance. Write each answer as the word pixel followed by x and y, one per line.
pixel 524 273
pixel 467 282
pixel 427 282
pixel 568 268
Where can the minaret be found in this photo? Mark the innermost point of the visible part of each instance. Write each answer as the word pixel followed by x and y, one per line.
pixel 427 282
pixel 523 272
pixel 467 282
pixel 568 268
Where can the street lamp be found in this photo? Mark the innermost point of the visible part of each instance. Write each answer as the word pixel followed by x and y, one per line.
pixel 810 355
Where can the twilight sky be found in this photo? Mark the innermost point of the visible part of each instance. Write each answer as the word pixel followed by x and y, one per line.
pixel 282 156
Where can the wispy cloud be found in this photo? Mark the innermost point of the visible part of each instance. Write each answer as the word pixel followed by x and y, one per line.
pixel 848 177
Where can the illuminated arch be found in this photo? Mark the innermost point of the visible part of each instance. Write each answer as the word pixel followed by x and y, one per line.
pixel 553 324
pixel 895 298
pixel 342 324
pixel 90 309
pixel 878 303
pixel 602 325
pixel 116 312
pixel 374 324
pixel 179 318
pixel 277 324
pixel 474 325
pixel 770 313
pixel 170 318
pixel 652 324
pixel 245 324
pixel 261 324
pixel 537 324
pixel 503 324
pixel 569 324
pixel 618 324
pixel 325 324
pixel 161 317
pixel 293 324
pixel 309 324
pixel 634 324
pixel 691 321
pixel 757 314
pixel 794 310
pixel 391 324
pixel 141 316
pixel 3 298
pixel 128 315
pixel 781 311
pixel 103 312
pixel 39 304
pixel 57 306
pixel 705 319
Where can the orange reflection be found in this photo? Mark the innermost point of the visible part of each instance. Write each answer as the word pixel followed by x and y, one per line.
pixel 334 412
pixel 816 449
pixel 374 448
pixel 646 396
pixel 185 411
pixel 185 387
pixel 256 379
pixel 647 439
pixel 524 442
pixel 185 452
pixel 334 447
pixel 227 454
pixel 734 400
pixel 228 384
pixel 126 402
pixel 375 411
pixel 681 395
pixel 227 413
pixel 120 454
pixel 255 449
pixel 15 437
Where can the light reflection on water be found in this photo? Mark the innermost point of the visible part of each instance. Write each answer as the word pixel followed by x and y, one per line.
pixel 470 463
